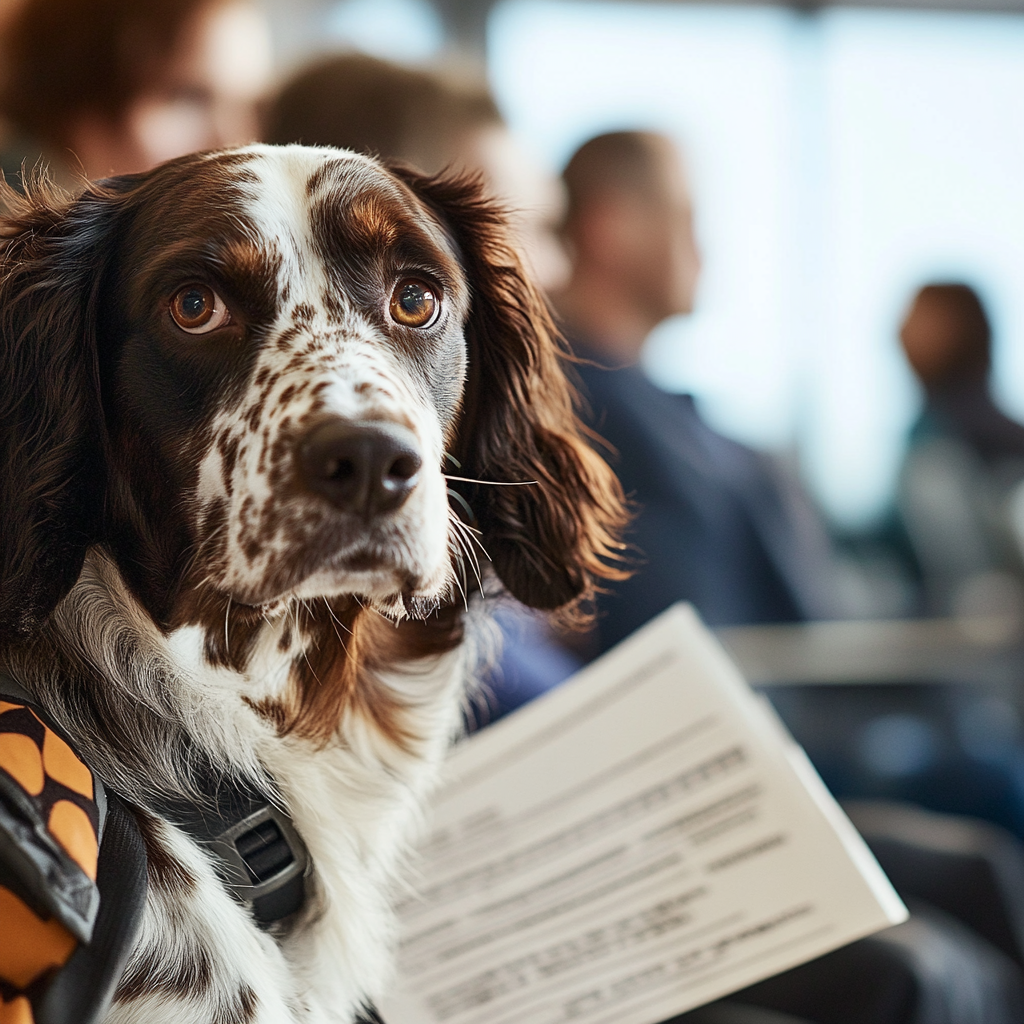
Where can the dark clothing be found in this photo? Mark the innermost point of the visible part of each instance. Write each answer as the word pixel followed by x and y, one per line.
pixel 531 663
pixel 967 412
pixel 964 462
pixel 717 524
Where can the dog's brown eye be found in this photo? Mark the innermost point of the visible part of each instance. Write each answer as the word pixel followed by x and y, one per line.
pixel 198 309
pixel 414 304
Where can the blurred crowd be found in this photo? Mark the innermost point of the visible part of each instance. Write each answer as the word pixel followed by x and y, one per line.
pixel 93 88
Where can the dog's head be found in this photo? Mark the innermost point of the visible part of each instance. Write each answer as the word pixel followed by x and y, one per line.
pixel 250 374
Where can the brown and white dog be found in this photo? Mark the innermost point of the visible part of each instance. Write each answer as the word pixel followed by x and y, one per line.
pixel 232 390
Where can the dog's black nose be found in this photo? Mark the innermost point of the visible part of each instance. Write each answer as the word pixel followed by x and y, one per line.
pixel 364 468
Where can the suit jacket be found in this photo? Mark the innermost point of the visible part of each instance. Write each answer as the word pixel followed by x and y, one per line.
pixel 717 523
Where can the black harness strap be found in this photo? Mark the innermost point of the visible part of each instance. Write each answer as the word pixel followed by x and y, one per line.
pixel 80 993
pixel 103 916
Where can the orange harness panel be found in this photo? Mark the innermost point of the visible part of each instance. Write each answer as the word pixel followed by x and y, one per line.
pixel 57 797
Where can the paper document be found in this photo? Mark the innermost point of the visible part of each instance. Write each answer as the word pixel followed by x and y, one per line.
pixel 640 841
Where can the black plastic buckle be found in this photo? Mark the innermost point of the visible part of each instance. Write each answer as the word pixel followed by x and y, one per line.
pixel 264 863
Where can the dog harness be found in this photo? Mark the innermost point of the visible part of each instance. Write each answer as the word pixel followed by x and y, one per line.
pixel 73 869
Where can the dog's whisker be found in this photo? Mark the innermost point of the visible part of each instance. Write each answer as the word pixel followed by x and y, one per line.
pixel 464 555
pixel 298 632
pixel 471 536
pixel 464 540
pixel 463 548
pixel 369 608
pixel 460 583
pixel 492 483
pixel 456 549
pixel 335 623
pixel 457 527
pixel 462 502
pixel 227 618
pixel 473 561
pixel 330 611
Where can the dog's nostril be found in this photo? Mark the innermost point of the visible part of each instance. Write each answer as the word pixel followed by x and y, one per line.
pixel 403 469
pixel 340 469
pixel 363 468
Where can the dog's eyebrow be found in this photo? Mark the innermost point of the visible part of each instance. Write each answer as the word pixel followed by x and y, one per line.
pixel 381 226
pixel 246 274
pixel 227 258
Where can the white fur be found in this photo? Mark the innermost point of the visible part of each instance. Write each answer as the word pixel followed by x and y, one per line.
pixel 356 805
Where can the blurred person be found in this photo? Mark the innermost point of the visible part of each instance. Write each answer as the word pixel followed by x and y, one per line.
pixel 106 87
pixel 433 122
pixel 718 524
pixel 960 479
pixel 947 339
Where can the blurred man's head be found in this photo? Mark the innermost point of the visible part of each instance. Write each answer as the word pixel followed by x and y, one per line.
pixel 947 337
pixel 629 229
pixel 420 117
pixel 354 101
pixel 122 85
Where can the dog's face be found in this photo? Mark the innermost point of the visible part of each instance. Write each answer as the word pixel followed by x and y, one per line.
pixel 247 375
pixel 288 346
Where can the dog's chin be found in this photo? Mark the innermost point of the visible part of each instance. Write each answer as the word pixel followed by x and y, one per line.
pixel 394 590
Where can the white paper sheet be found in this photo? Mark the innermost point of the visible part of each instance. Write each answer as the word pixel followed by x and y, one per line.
pixel 639 842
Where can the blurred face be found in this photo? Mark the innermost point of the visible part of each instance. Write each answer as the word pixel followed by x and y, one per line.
pixel 645 241
pixel 206 100
pixel 930 339
pixel 536 198
pixel 665 260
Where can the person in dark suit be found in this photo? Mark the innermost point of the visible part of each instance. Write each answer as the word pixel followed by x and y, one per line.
pixel 718 524
pixel 721 526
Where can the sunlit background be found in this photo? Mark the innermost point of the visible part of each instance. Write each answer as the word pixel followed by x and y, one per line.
pixel 839 159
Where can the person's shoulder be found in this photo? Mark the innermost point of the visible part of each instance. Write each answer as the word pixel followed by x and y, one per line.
pixel 712 437
pixel 604 388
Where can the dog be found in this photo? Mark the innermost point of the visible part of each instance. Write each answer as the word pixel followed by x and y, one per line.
pixel 239 391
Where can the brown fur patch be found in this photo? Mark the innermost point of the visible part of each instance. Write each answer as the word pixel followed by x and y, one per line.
pixel 241 1010
pixel 346 645
pixel 166 874
pixel 187 978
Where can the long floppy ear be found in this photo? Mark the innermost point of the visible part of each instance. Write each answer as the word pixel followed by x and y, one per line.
pixel 51 462
pixel 550 542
